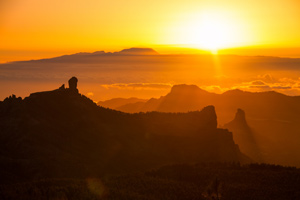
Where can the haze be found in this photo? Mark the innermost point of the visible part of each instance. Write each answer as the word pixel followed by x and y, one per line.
pixel 195 99
pixel 38 29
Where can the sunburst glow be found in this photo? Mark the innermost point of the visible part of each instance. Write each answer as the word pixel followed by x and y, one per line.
pixel 211 31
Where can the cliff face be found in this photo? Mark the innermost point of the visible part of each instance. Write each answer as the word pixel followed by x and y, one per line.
pixel 62 133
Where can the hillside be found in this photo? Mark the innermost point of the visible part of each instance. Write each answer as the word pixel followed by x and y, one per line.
pixel 172 182
pixel 118 102
pixel 63 134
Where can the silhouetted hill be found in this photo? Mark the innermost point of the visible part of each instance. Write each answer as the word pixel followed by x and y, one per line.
pixel 87 57
pixel 117 102
pixel 272 105
pixel 137 51
pixel 131 107
pixel 182 98
pixel 274 116
pixel 63 134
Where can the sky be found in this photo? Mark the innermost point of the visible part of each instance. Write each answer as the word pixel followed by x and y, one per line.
pixel 32 29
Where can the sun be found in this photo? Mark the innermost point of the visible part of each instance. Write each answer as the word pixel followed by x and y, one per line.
pixel 213 34
pixel 210 31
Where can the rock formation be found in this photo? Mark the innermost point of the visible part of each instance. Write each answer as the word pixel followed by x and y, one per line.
pixel 240 119
pixel 244 136
pixel 72 89
pixel 62 87
pixel 73 84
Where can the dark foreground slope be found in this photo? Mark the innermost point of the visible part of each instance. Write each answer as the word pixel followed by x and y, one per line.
pixel 174 182
pixel 63 134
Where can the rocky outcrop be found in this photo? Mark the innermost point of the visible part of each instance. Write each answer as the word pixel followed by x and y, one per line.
pixel 240 120
pixel 73 84
pixel 12 98
pixel 244 136
pixel 72 89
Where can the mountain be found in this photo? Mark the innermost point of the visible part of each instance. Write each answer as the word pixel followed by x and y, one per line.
pixel 244 135
pixel 137 51
pixel 271 105
pixel 63 134
pixel 273 116
pixel 117 102
pixel 182 98
pixel 94 56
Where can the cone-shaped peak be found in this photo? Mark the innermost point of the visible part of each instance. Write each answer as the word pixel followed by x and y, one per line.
pixel 240 118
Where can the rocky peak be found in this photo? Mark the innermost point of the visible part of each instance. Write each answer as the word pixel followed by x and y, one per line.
pixel 71 91
pixel 11 103
pixel 239 121
pixel 240 117
pixel 73 84
pixel 243 135
pixel 12 98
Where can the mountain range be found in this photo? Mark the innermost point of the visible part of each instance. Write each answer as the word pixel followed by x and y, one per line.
pixel 149 74
pixel 272 126
pixel 63 134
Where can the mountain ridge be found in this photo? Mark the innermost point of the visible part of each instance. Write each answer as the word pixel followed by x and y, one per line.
pixel 272 116
pixel 63 134
pixel 80 55
pixel 184 92
pixel 142 51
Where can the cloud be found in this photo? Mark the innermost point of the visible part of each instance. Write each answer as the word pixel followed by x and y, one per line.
pixel 138 86
pixel 258 83
pixel 283 85
pixel 266 87
pixel 90 94
pixel 267 83
pixel 266 78
pixel 213 88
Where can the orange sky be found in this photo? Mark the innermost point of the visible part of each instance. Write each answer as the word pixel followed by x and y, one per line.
pixel 36 29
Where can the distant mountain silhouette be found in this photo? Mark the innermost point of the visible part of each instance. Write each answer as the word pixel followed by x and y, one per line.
pixel 105 68
pixel 273 116
pixel 94 56
pixel 137 51
pixel 117 102
pixel 63 134
pixel 244 136
pixel 184 98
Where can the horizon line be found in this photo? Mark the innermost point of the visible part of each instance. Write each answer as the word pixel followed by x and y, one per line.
pixel 184 50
